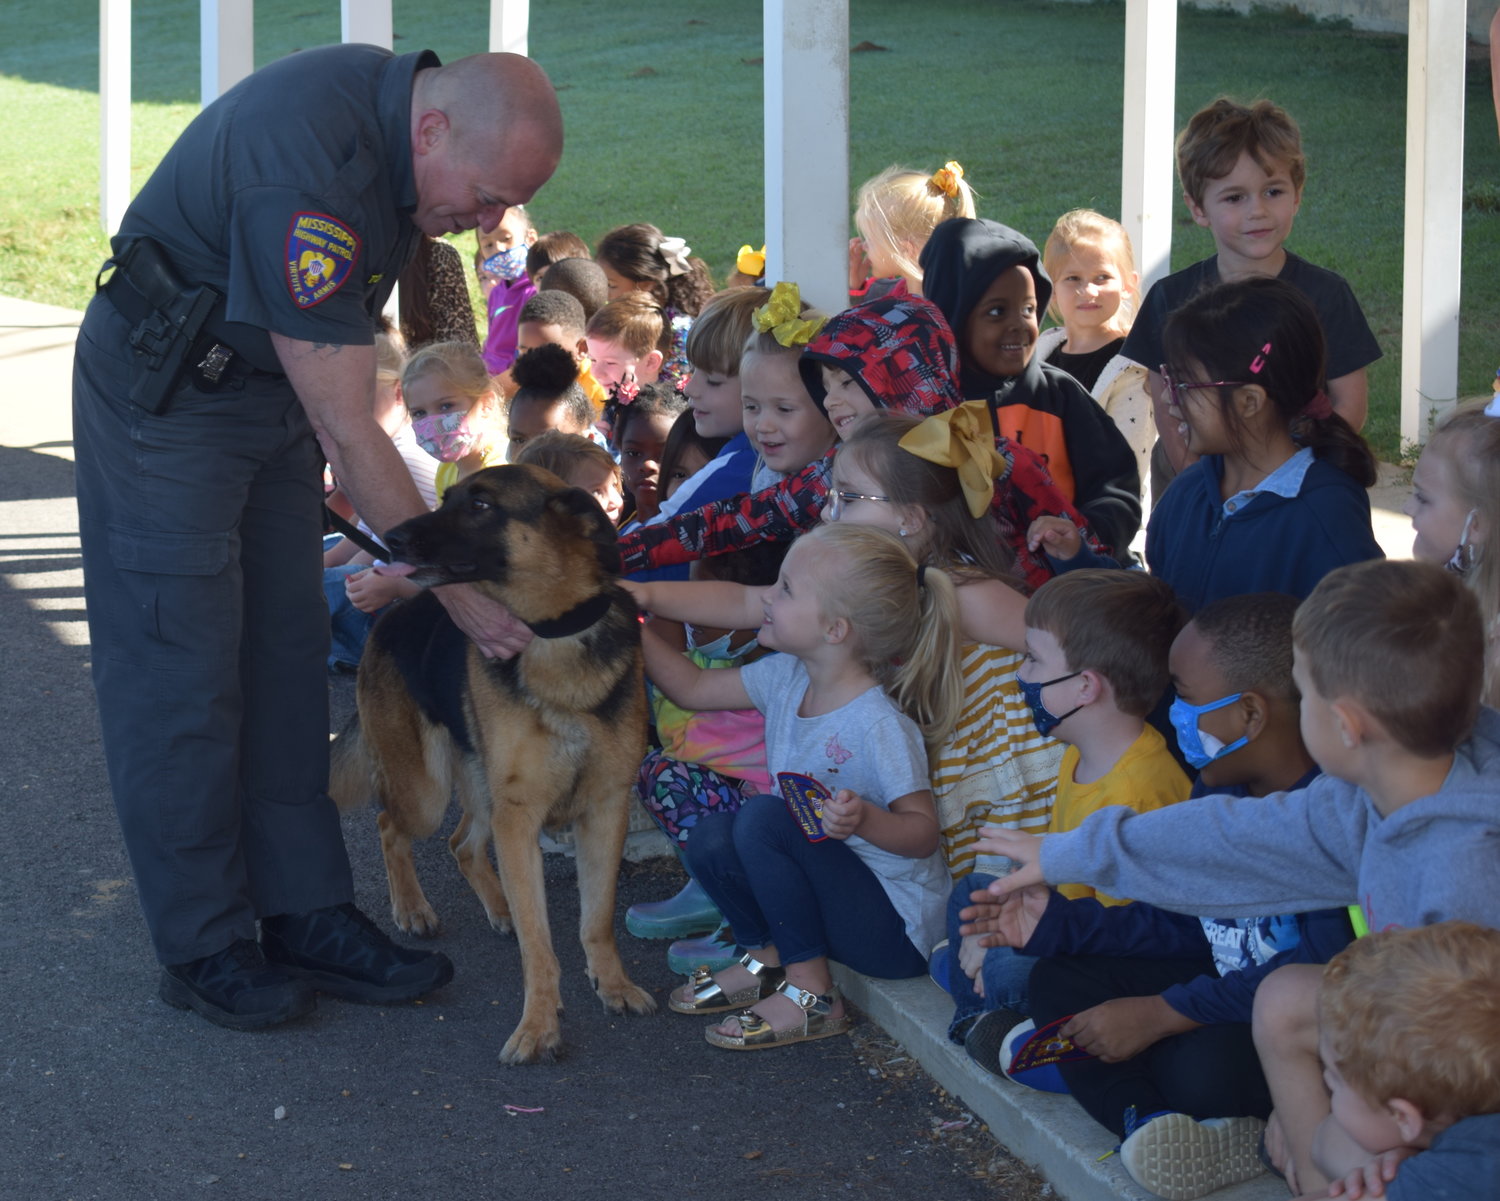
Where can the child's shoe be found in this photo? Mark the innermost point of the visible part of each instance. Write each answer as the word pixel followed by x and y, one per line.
pixel 715 951
pixel 987 1033
pixel 689 912
pixel 1180 1158
pixel 937 964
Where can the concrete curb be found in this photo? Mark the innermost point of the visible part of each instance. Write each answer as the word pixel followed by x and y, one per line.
pixel 1049 1132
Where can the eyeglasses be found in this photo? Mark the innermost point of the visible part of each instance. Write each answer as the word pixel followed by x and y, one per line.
pixel 1176 387
pixel 837 500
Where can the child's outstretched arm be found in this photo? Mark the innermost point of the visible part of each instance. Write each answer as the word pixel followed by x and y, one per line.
pixel 702 602
pixel 688 685
pixel 908 828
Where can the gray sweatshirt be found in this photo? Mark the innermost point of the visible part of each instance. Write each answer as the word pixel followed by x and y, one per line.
pixel 1320 846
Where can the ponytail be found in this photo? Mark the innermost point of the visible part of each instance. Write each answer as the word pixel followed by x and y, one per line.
pixel 1334 440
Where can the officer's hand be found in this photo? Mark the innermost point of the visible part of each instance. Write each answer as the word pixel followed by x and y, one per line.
pixel 494 629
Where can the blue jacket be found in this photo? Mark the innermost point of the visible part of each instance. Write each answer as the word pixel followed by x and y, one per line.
pixel 1273 544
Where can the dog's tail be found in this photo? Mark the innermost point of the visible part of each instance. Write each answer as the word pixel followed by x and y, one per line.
pixel 351 771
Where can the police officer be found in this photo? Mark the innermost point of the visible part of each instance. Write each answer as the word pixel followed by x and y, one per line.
pixel 232 335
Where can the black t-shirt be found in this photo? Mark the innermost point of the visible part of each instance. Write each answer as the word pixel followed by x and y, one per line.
pixel 1351 345
pixel 292 195
pixel 1085 368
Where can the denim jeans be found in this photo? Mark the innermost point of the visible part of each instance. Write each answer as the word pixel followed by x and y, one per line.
pixel 1004 972
pixel 810 899
pixel 349 626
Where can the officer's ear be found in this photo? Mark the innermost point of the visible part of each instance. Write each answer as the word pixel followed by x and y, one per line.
pixel 431 129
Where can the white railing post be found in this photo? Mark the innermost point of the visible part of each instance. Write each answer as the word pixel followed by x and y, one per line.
pixel 226 38
pixel 806 46
pixel 510 25
pixel 1147 175
pixel 114 113
pixel 367 21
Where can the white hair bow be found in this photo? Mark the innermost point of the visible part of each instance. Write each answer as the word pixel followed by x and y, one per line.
pixel 674 251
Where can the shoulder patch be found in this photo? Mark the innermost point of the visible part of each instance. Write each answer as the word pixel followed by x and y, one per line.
pixel 320 253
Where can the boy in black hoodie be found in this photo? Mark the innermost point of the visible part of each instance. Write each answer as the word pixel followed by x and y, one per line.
pixel 989 282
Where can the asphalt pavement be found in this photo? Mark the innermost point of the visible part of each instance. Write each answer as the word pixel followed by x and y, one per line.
pixel 109 1094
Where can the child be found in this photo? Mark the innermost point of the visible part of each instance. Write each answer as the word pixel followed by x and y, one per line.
pixel 1410 1043
pixel 895 352
pixel 1242 171
pixel 865 885
pixel 627 340
pixel 895 214
pixel 988 281
pixel 786 428
pixel 1162 1001
pixel 553 248
pixel 583 279
pixel 547 398
pixel 685 453
pixel 641 430
pixel 640 258
pixel 454 411
pixel 1388 660
pixel 1455 510
pixel 500 263
pixel 557 318
pixel 1094 285
pixel 578 461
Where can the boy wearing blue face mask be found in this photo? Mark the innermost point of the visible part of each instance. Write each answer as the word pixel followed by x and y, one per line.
pixel 500 264
pixel 1164 1001
pixel 1095 666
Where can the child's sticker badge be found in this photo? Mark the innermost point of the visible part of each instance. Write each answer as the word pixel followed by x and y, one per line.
pixel 1046 1048
pixel 320 254
pixel 804 798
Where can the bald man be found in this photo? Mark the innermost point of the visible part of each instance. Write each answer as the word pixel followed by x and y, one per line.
pixel 233 336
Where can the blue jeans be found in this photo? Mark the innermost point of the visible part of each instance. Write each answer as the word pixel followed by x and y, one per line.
pixel 349 626
pixel 810 899
pixel 1004 972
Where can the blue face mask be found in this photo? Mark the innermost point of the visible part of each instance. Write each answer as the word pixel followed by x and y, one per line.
pixel 1199 747
pixel 509 265
pixel 1045 720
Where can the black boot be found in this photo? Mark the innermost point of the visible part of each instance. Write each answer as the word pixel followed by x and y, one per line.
pixel 237 988
pixel 340 951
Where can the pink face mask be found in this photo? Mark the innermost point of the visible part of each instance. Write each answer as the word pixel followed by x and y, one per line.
pixel 449 437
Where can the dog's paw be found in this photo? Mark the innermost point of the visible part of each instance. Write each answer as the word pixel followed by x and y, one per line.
pixel 626 997
pixel 529 1045
pixel 500 923
pixel 421 920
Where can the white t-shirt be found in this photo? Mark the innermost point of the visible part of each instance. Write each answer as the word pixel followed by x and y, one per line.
pixel 871 748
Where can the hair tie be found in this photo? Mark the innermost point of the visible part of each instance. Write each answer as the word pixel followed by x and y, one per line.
pixel 674 252
pixel 944 181
pixel 627 389
pixel 921 575
pixel 1319 408
pixel 781 317
pixel 750 262
pixel 961 438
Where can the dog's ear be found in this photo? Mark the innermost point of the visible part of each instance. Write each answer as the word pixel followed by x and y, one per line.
pixel 592 523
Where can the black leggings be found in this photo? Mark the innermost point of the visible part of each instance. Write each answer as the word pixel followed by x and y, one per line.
pixel 1210 1072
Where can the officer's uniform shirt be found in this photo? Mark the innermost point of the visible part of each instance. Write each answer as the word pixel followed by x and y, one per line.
pixel 292 195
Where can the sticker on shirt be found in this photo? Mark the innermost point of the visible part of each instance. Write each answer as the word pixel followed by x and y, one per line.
pixel 805 798
pixel 320 254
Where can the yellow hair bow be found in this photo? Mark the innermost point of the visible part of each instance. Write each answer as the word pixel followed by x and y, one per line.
pixel 963 438
pixel 945 179
pixel 750 262
pixel 781 317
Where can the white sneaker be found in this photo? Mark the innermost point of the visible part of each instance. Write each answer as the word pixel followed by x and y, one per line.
pixel 1179 1158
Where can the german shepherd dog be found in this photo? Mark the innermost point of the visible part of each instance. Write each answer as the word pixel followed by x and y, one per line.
pixel 554 735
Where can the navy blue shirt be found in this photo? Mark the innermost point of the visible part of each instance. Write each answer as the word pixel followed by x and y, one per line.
pixel 292 194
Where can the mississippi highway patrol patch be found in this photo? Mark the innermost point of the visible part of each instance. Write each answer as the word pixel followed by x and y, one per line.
pixel 320 254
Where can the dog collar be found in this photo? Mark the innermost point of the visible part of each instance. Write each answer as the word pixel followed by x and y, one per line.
pixel 574 621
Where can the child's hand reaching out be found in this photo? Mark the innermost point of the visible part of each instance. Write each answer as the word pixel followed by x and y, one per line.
pixel 369 592
pixel 1058 536
pixel 842 814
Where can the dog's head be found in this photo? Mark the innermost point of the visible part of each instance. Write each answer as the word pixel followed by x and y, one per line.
pixel 539 545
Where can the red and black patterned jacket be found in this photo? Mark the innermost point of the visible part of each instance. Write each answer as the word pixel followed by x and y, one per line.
pixel 902 353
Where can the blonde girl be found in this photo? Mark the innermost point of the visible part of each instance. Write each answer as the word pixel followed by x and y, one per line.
pixel 866 686
pixel 454 410
pixel 895 214
pixel 1455 511
pixel 1094 291
pixel 785 425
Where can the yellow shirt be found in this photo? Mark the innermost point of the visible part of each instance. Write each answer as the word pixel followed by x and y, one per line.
pixel 1145 778
pixel 447 473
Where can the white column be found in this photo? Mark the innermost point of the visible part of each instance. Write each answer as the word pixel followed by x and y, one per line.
pixel 1434 213
pixel 226 45
pixel 367 21
pixel 806 46
pixel 114 112
pixel 1148 181
pixel 510 25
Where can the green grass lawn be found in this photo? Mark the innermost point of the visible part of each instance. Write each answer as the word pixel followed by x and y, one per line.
pixel 663 111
